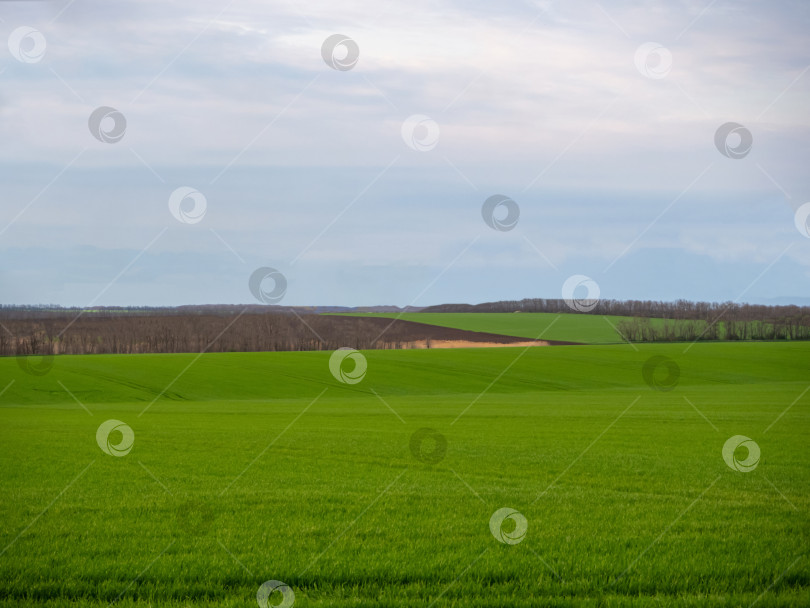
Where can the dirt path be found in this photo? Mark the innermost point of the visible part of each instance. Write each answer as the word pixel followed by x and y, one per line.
pixel 471 344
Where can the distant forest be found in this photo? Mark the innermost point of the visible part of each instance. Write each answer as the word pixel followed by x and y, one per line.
pixel 50 330
pixel 679 321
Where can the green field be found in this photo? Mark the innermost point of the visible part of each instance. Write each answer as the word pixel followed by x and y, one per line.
pixel 262 466
pixel 587 329
pixel 565 327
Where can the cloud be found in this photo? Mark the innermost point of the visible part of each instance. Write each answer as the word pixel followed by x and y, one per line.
pixel 540 101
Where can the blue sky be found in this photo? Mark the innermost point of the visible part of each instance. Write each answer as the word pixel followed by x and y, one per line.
pixel 609 152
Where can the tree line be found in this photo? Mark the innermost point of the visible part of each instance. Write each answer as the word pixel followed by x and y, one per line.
pixel 51 330
pixel 42 311
pixel 117 334
pixel 241 332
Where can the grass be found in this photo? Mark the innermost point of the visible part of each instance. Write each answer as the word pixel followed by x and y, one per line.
pixel 261 466
pixel 587 329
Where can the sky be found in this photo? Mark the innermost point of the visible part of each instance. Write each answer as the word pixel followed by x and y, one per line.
pixel 162 153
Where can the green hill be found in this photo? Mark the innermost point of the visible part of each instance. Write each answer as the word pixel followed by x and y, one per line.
pixel 252 467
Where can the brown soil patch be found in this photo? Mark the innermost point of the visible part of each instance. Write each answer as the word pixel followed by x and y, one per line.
pixel 410 334
pixel 471 344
